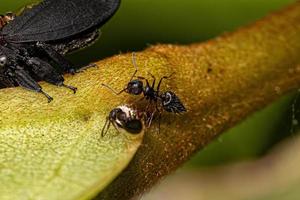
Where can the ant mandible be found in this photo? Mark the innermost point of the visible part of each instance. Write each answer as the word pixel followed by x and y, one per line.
pixel 168 100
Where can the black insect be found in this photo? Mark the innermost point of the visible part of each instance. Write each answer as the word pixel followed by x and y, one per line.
pixel 168 100
pixel 124 117
pixel 33 44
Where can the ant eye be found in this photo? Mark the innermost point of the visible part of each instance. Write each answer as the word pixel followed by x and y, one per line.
pixel 3 61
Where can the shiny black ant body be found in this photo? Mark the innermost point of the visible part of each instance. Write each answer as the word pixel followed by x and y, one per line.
pixel 168 100
pixel 123 117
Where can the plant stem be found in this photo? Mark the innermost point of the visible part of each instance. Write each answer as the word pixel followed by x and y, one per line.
pixel 221 82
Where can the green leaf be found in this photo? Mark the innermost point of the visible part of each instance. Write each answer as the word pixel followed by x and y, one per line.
pixel 55 151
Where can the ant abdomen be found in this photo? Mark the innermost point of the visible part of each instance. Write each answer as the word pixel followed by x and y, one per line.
pixel 171 102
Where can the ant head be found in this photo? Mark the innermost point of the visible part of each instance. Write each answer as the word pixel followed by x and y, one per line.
pixel 114 114
pixel 135 87
pixel 125 118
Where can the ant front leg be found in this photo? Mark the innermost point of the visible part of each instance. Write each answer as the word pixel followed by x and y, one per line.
pixel 46 72
pixel 105 127
pixel 56 57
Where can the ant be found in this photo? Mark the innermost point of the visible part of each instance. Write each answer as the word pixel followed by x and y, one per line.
pixel 123 117
pixel 168 100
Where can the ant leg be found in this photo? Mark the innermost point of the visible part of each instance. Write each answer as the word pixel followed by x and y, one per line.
pixel 164 77
pixel 143 78
pixel 152 113
pixel 113 90
pixel 150 119
pixel 105 127
pixel 159 117
pixel 159 120
pixel 46 72
pixel 154 79
pixel 56 57
pixel 116 127
pixel 25 80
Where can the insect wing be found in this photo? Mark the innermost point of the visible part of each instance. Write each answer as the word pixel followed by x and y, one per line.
pixel 59 19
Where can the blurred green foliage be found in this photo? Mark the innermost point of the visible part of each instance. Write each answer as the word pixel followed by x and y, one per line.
pixel 140 23
pixel 252 138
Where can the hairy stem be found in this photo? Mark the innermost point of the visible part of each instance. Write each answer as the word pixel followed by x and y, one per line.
pixel 221 82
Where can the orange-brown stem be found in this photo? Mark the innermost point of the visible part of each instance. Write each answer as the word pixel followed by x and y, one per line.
pixel 221 82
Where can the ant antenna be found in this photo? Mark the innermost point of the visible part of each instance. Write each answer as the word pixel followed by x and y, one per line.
pixel 105 127
pixel 133 75
pixel 134 64
pixel 113 90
